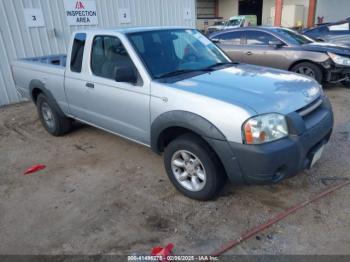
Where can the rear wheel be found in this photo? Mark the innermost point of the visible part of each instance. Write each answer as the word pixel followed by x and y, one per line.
pixel 193 168
pixel 50 118
pixel 309 69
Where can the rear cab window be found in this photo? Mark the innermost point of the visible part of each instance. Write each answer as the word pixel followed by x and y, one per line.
pixel 77 52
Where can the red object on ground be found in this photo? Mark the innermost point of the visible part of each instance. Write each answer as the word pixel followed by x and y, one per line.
pixel 164 252
pixel 252 232
pixel 34 168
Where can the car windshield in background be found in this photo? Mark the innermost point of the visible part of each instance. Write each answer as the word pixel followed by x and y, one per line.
pixel 220 23
pixel 233 22
pixel 293 37
pixel 173 52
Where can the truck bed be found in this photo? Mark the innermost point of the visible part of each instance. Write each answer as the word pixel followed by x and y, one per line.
pixel 48 71
pixel 57 60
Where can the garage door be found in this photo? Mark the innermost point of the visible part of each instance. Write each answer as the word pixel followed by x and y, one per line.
pixel 206 8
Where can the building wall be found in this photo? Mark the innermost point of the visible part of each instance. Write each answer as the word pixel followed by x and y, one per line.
pixel 17 40
pixel 206 8
pixel 268 4
pixel 228 8
pixel 333 11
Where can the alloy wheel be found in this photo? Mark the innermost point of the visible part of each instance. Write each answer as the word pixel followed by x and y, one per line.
pixel 47 115
pixel 306 71
pixel 188 170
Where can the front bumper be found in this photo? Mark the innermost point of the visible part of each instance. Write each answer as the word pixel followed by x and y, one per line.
pixel 272 162
pixel 336 74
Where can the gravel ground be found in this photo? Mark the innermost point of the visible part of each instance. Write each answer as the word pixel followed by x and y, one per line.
pixel 101 194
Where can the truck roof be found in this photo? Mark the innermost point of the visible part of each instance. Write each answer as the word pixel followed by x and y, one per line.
pixel 126 30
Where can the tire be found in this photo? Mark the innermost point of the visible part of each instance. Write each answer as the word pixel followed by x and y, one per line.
pixel 207 174
pixel 309 69
pixel 50 118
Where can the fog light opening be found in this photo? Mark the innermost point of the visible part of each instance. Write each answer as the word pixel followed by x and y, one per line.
pixel 279 174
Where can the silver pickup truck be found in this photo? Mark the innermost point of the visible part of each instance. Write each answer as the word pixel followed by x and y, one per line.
pixel 173 90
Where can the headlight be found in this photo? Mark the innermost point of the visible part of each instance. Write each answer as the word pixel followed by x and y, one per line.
pixel 340 60
pixel 264 128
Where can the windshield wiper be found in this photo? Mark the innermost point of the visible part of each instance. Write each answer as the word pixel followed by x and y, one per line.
pixel 185 71
pixel 211 67
pixel 178 72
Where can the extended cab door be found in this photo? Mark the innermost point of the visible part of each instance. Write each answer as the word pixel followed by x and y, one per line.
pixel 74 83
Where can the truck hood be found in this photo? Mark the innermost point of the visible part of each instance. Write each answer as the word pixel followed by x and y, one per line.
pixel 327 47
pixel 261 89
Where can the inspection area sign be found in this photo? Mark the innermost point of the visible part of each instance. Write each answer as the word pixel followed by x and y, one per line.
pixel 79 12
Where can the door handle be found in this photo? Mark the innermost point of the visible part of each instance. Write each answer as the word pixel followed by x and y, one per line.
pixel 90 85
pixel 249 53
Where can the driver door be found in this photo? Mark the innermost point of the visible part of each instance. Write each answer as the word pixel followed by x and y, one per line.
pixel 119 107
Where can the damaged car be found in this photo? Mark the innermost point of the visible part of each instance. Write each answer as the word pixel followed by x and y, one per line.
pixel 286 49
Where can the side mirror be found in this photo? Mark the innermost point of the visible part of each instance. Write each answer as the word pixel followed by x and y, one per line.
pixel 215 40
pixel 126 75
pixel 276 43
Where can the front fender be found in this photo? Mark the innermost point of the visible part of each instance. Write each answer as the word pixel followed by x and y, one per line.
pixel 184 119
pixel 202 127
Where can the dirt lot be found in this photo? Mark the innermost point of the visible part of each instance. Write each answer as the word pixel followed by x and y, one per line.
pixel 103 194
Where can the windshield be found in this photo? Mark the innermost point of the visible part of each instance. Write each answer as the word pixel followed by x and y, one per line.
pixel 177 50
pixel 234 22
pixel 293 37
pixel 219 23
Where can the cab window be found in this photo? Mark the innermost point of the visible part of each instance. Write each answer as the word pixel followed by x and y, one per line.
pixel 108 55
pixel 76 60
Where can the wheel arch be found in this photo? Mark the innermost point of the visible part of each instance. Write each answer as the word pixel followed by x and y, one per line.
pixel 305 61
pixel 322 69
pixel 170 125
pixel 37 87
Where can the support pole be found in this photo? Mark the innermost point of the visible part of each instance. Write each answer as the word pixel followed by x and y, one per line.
pixel 312 13
pixel 278 12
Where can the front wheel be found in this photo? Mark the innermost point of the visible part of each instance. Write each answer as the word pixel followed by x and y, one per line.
pixel 193 168
pixel 309 69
